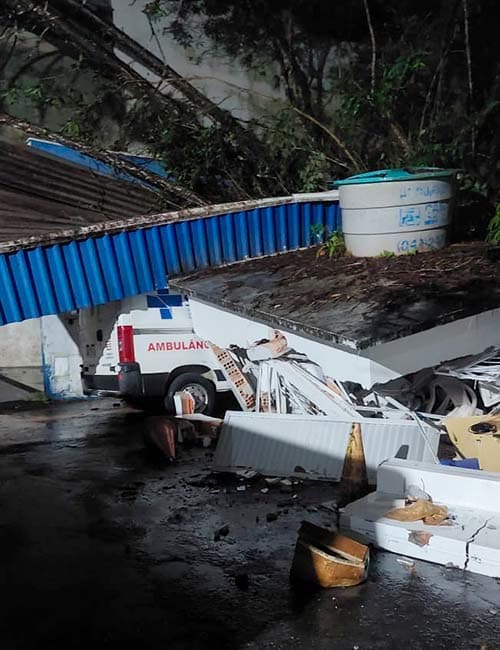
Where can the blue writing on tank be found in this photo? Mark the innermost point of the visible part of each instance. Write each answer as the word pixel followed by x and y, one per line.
pixel 435 214
pixel 430 191
pixel 409 216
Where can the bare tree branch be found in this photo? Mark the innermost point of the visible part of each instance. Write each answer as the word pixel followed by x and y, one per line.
pixel 356 164
pixel 469 68
pixel 467 46
pixel 374 47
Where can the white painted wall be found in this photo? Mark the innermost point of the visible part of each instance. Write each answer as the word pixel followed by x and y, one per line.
pixel 377 364
pixel 20 344
pixel 451 341
pixel 218 79
pixel 61 356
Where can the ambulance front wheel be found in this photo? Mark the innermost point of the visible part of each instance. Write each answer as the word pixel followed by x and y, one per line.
pixel 202 390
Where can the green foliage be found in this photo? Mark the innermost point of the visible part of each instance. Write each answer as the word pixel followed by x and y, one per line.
pixel 317 232
pixel 337 114
pixel 156 10
pixel 37 95
pixel 396 80
pixel 470 183
pixel 494 227
pixel 72 129
pixel 333 246
pixel 387 254
pixel 10 95
pixel 331 243
pixel 314 173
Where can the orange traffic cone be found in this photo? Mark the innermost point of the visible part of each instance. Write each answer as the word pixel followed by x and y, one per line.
pixel 354 481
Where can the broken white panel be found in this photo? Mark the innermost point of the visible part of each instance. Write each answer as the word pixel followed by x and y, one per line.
pixel 315 446
pixel 304 384
pixel 459 398
pixel 490 393
pixel 481 367
pixel 472 542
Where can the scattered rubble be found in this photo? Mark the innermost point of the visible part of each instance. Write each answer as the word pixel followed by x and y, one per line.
pixel 162 433
pixel 297 424
pixel 354 480
pixel 223 531
pixel 184 403
pixel 419 537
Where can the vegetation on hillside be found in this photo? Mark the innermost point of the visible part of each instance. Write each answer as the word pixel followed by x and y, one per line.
pixel 364 84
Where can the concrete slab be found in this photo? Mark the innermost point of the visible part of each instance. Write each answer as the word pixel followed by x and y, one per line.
pixel 354 302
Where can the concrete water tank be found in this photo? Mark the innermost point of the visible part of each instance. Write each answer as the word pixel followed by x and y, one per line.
pixel 396 210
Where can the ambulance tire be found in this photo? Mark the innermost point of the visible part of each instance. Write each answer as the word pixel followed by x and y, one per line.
pixel 201 388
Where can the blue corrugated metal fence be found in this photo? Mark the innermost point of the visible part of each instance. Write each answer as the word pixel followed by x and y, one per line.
pixel 51 279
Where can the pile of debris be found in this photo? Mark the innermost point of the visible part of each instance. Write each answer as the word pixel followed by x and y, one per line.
pixel 297 424
pixel 289 397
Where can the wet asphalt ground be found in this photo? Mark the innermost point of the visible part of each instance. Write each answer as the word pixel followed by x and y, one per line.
pixel 103 545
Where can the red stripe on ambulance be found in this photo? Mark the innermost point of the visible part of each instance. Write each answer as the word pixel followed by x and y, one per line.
pixel 169 346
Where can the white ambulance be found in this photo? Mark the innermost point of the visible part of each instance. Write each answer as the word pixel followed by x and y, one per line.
pixel 145 347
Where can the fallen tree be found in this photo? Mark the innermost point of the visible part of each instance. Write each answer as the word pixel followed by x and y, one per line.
pixel 77 32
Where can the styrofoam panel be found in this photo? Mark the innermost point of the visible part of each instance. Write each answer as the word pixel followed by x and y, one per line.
pixel 476 487
pixel 472 542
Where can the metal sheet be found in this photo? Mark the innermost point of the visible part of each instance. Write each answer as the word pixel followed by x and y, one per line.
pixel 40 195
pixel 104 266
pixel 277 445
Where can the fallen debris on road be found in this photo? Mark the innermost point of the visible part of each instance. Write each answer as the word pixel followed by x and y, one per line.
pixel 162 432
pixel 328 559
pixel 184 403
pixel 471 541
pixel 354 480
pixel 314 447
